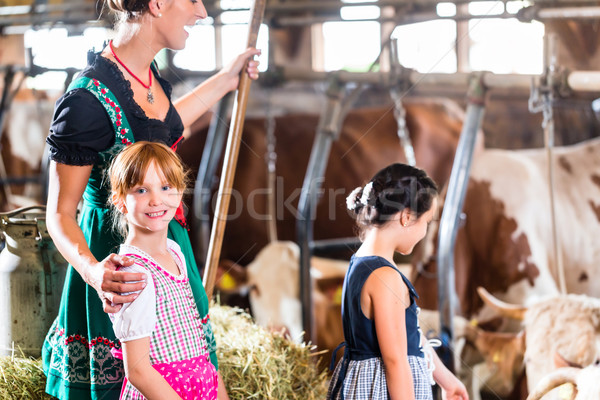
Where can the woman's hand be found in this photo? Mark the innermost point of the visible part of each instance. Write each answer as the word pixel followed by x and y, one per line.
pixel 192 105
pixel 233 69
pixel 114 287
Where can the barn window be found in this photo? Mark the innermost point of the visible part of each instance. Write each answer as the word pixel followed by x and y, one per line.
pixel 519 47
pixel 199 52
pixel 213 44
pixel 351 45
pixel 55 48
pixel 423 51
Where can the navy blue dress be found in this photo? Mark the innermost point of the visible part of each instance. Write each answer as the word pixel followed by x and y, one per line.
pixel 361 372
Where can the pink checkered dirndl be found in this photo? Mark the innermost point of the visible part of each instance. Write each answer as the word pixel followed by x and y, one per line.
pixel 178 348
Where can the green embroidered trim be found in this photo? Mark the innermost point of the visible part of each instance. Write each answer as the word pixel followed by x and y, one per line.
pixel 111 105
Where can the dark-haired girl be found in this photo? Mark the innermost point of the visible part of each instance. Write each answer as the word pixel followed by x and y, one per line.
pixel 118 99
pixel 386 356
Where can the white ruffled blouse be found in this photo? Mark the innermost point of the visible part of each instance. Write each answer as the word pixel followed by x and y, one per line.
pixel 137 319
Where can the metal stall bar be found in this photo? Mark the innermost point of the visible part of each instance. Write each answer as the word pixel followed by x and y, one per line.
pixel 397 92
pixel 584 81
pixel 328 130
pixel 459 79
pixel 536 12
pixel 449 224
pixel 211 155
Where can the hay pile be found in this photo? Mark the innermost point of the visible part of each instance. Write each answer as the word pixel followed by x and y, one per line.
pixel 256 364
pixel 22 379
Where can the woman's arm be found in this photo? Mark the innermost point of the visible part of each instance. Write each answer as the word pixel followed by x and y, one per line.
pixel 452 388
pixel 66 186
pixel 141 374
pixel 191 106
pixel 389 298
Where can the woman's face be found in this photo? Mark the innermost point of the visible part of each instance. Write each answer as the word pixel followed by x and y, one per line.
pixel 178 16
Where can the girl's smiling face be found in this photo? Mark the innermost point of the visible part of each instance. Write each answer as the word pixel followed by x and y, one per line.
pixel 151 205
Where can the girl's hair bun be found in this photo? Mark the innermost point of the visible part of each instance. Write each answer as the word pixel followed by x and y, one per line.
pixel 393 189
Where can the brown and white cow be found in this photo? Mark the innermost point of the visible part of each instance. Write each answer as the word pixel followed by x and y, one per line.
pixel 506 243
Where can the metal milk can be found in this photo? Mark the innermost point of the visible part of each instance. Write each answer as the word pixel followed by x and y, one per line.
pixel 32 273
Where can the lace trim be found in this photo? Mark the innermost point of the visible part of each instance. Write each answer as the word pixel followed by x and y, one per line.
pixel 174 255
pixel 427 349
pixel 117 74
pixel 67 158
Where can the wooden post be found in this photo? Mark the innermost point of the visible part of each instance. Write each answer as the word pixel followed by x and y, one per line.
pixel 231 155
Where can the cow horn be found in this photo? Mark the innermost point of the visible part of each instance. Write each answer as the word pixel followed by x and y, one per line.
pixel 553 380
pixel 505 309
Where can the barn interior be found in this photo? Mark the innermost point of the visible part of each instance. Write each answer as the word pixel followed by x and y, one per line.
pixel 346 87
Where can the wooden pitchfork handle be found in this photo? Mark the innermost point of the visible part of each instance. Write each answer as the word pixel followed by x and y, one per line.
pixel 231 155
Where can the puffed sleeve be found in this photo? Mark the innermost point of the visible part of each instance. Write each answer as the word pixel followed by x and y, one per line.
pixel 80 129
pixel 137 319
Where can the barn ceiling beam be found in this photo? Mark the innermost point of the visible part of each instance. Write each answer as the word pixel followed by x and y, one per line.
pixel 41 14
pixel 282 14
pixel 583 81
pixel 329 5
pixel 542 14
pixel 402 19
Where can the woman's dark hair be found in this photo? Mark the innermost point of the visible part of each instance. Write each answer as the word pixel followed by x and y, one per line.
pixel 391 190
pixel 129 9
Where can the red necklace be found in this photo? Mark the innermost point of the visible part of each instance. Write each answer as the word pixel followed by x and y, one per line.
pixel 150 95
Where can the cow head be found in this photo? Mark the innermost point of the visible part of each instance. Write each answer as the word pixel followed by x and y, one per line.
pixel 551 327
pixel 272 283
pixel 503 355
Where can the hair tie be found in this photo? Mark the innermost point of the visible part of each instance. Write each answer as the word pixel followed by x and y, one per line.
pixel 351 199
pixel 364 200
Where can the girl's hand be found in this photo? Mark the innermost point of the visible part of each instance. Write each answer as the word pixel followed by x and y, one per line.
pixel 454 390
pixel 111 284
pixel 232 71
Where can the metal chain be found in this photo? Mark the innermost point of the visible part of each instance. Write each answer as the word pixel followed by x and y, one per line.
pixel 545 105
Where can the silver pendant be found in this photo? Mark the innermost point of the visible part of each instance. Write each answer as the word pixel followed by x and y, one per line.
pixel 150 96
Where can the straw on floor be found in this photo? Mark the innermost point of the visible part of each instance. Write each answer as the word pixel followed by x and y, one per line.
pixel 257 364
pixel 254 363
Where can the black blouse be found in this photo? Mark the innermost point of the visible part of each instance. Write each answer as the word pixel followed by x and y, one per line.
pixel 81 127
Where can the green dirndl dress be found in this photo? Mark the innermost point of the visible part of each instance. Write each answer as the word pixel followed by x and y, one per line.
pixel 76 354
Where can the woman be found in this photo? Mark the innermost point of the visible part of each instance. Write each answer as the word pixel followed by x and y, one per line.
pixel 118 99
